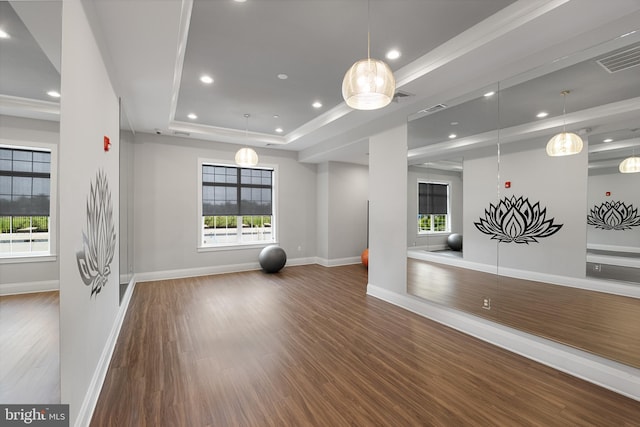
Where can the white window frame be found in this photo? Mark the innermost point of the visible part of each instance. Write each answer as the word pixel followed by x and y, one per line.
pixel 430 232
pixel 236 245
pixel 50 255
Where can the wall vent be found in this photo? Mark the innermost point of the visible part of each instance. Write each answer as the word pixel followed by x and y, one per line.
pixel 433 108
pixel 621 60
pixel 181 133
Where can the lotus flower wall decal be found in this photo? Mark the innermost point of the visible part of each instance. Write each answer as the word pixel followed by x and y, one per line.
pixel 516 220
pixel 99 237
pixel 614 216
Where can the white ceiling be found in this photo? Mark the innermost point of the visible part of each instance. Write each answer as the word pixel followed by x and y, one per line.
pixel 452 50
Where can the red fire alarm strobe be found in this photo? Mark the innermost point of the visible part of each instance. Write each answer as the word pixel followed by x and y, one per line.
pixel 107 143
pixel 608 193
pixel 507 184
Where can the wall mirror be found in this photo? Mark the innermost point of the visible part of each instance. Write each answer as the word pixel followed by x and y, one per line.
pixel 550 245
pixel 30 51
pixel 126 166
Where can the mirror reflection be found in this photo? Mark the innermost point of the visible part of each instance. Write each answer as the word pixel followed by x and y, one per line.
pixel 550 244
pixel 29 133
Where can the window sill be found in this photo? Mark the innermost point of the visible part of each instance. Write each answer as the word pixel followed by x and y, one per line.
pixel 236 246
pixel 19 259
pixel 432 233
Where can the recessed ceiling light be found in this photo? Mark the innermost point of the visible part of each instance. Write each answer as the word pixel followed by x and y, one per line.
pixel 206 79
pixel 279 130
pixel 54 94
pixel 275 116
pixel 542 114
pixel 453 135
pixel 455 123
pixel 393 54
pixel 283 76
pixel 4 34
pixel 192 116
pixel 316 104
pixel 608 140
pixel 489 94
pixel 239 1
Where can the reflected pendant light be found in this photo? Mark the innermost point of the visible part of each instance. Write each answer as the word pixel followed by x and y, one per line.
pixel 565 143
pixel 369 84
pixel 246 157
pixel 630 165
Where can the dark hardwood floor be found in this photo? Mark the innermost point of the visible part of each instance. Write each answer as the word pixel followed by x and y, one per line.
pixel 308 347
pixel 604 324
pixel 30 348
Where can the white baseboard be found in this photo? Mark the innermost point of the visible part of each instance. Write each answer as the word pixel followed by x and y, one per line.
pixel 335 262
pixel 219 269
pixel 617 377
pixel 29 287
pixel 613 248
pixel 592 284
pixel 97 380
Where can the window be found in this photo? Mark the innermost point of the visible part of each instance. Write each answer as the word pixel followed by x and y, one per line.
pixel 236 205
pixel 25 201
pixel 433 207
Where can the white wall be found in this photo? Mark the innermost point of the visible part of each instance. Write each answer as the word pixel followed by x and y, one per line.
pixel 165 207
pixel 558 183
pixel 32 275
pixel 347 226
pixel 322 189
pixel 436 241
pixel 388 210
pixel 89 111
pixel 623 188
pixel 479 189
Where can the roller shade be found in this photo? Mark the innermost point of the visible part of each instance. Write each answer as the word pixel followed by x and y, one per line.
pixel 432 198
pixel 25 181
pixel 235 191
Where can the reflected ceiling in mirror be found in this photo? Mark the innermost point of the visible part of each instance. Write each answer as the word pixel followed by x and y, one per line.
pixel 604 104
pixel 30 64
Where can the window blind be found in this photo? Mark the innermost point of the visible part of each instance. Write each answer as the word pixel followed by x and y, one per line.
pixel 432 198
pixel 25 177
pixel 235 191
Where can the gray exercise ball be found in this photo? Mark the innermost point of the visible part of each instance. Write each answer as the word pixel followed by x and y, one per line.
pixel 272 258
pixel 455 241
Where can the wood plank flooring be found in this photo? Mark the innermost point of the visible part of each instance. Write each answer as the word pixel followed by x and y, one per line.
pixel 308 347
pixel 30 348
pixel 604 324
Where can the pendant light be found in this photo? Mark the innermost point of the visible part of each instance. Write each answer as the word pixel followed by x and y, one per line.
pixel 630 165
pixel 246 157
pixel 565 143
pixel 369 84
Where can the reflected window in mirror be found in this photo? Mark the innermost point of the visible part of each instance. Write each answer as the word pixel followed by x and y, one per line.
pixel 26 195
pixel 433 207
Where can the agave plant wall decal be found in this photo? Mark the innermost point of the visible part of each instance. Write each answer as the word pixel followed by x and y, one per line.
pixel 516 220
pixel 99 237
pixel 614 216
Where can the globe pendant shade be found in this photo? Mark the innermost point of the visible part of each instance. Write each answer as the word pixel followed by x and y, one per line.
pixel 246 157
pixel 564 144
pixel 368 85
pixel 630 165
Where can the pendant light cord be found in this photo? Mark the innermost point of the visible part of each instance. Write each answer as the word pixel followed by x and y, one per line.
pixel 564 110
pixel 368 29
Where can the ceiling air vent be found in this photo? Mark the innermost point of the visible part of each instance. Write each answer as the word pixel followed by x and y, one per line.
pixel 433 108
pixel 621 60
